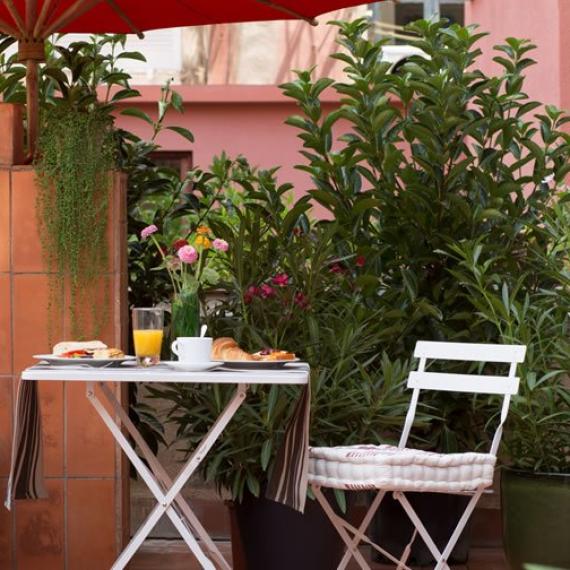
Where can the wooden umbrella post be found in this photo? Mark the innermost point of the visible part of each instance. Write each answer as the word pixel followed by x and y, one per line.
pixel 32 52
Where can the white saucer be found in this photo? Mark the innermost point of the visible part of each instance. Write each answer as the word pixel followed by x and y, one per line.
pixel 192 366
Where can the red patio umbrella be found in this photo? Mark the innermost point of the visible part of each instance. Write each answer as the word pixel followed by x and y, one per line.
pixel 32 21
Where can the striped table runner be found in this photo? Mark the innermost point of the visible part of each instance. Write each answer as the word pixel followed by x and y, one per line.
pixel 287 484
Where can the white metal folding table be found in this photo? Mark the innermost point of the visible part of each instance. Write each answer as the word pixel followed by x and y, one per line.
pixel 166 491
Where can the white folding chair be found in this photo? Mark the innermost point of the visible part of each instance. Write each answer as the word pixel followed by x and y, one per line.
pixel 387 468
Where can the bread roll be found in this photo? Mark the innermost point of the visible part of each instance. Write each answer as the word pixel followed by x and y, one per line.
pixel 226 348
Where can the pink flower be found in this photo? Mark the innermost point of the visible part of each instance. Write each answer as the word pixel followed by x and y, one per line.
pixel 252 291
pixel 300 299
pixel 220 244
pixel 149 230
pixel 266 291
pixel 336 268
pixel 360 261
pixel 281 280
pixel 187 254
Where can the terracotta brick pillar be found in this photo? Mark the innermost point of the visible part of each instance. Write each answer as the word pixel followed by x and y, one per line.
pixel 80 526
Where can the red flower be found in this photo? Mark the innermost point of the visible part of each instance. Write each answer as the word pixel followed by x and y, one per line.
pixel 266 291
pixel 360 261
pixel 252 291
pixel 178 244
pixel 300 299
pixel 336 268
pixel 280 280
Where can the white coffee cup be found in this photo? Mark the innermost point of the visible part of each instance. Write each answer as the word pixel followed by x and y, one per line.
pixel 193 348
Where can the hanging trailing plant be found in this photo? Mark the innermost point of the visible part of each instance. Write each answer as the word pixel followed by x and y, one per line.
pixel 74 158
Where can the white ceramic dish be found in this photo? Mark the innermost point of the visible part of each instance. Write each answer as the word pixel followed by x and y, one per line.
pixel 192 366
pixel 257 364
pixel 95 362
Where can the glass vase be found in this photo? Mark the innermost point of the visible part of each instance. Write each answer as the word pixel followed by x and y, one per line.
pixel 185 315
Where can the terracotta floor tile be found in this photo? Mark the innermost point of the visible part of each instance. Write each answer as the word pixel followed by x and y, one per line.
pixel 5 325
pixel 31 317
pixel 91 524
pixel 5 531
pixel 90 446
pixel 26 250
pixel 5 426
pixel 40 531
pixel 4 220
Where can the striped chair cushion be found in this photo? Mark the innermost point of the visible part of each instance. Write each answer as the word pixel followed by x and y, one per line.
pixel 387 467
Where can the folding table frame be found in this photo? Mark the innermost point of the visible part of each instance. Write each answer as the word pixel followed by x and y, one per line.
pixel 166 491
pixel 418 380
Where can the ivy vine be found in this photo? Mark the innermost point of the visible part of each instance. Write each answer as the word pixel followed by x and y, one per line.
pixel 75 155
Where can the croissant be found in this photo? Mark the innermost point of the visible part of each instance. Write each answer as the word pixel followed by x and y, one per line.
pixel 226 348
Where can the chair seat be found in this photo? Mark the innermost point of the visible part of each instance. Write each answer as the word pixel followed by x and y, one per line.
pixel 361 467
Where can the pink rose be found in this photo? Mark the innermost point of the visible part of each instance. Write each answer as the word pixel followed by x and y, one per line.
pixel 281 280
pixel 266 291
pixel 148 231
pixel 187 254
pixel 220 244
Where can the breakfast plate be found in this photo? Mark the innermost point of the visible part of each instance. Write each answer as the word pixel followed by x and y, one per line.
pixel 94 362
pixel 258 364
pixel 192 366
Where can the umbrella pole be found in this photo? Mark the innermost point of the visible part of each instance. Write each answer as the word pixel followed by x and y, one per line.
pixel 32 105
pixel 32 52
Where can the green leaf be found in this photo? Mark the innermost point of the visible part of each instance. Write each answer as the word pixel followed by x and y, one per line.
pixel 134 112
pixel 183 132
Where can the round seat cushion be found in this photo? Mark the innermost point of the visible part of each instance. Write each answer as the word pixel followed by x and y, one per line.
pixel 360 467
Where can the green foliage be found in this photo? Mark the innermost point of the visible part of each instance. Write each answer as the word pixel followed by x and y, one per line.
pixel 436 159
pixel 287 289
pixel 75 157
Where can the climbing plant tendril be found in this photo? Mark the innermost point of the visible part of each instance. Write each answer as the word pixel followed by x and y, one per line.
pixel 75 156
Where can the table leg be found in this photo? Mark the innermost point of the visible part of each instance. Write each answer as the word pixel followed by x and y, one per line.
pixel 173 487
pixel 161 474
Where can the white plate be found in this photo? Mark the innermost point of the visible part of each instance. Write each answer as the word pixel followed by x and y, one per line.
pixel 95 362
pixel 258 364
pixel 191 366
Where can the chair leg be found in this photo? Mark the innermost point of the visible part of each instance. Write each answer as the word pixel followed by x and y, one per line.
pixel 362 528
pixel 458 530
pixel 440 557
pixel 352 549
pixel 403 500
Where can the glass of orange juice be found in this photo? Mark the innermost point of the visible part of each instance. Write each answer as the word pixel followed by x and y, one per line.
pixel 148 324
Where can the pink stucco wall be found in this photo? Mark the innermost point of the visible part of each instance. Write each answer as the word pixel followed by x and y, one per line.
pixel 247 120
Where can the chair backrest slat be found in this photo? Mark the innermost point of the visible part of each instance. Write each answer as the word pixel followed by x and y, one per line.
pixel 473 383
pixel 421 379
pixel 470 352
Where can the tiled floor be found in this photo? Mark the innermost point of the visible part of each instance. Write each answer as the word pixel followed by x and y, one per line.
pixel 173 555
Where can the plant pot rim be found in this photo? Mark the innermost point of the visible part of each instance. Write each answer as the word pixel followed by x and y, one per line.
pixel 529 473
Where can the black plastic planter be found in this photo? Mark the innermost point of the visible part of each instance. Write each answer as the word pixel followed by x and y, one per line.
pixel 275 537
pixel 536 518
pixel 440 514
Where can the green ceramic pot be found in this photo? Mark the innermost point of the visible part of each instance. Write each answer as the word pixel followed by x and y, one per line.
pixel 536 518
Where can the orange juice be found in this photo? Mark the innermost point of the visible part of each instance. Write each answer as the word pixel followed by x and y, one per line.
pixel 148 343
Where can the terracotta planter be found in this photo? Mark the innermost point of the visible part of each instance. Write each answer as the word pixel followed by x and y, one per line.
pixel 536 518
pixel 12 139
